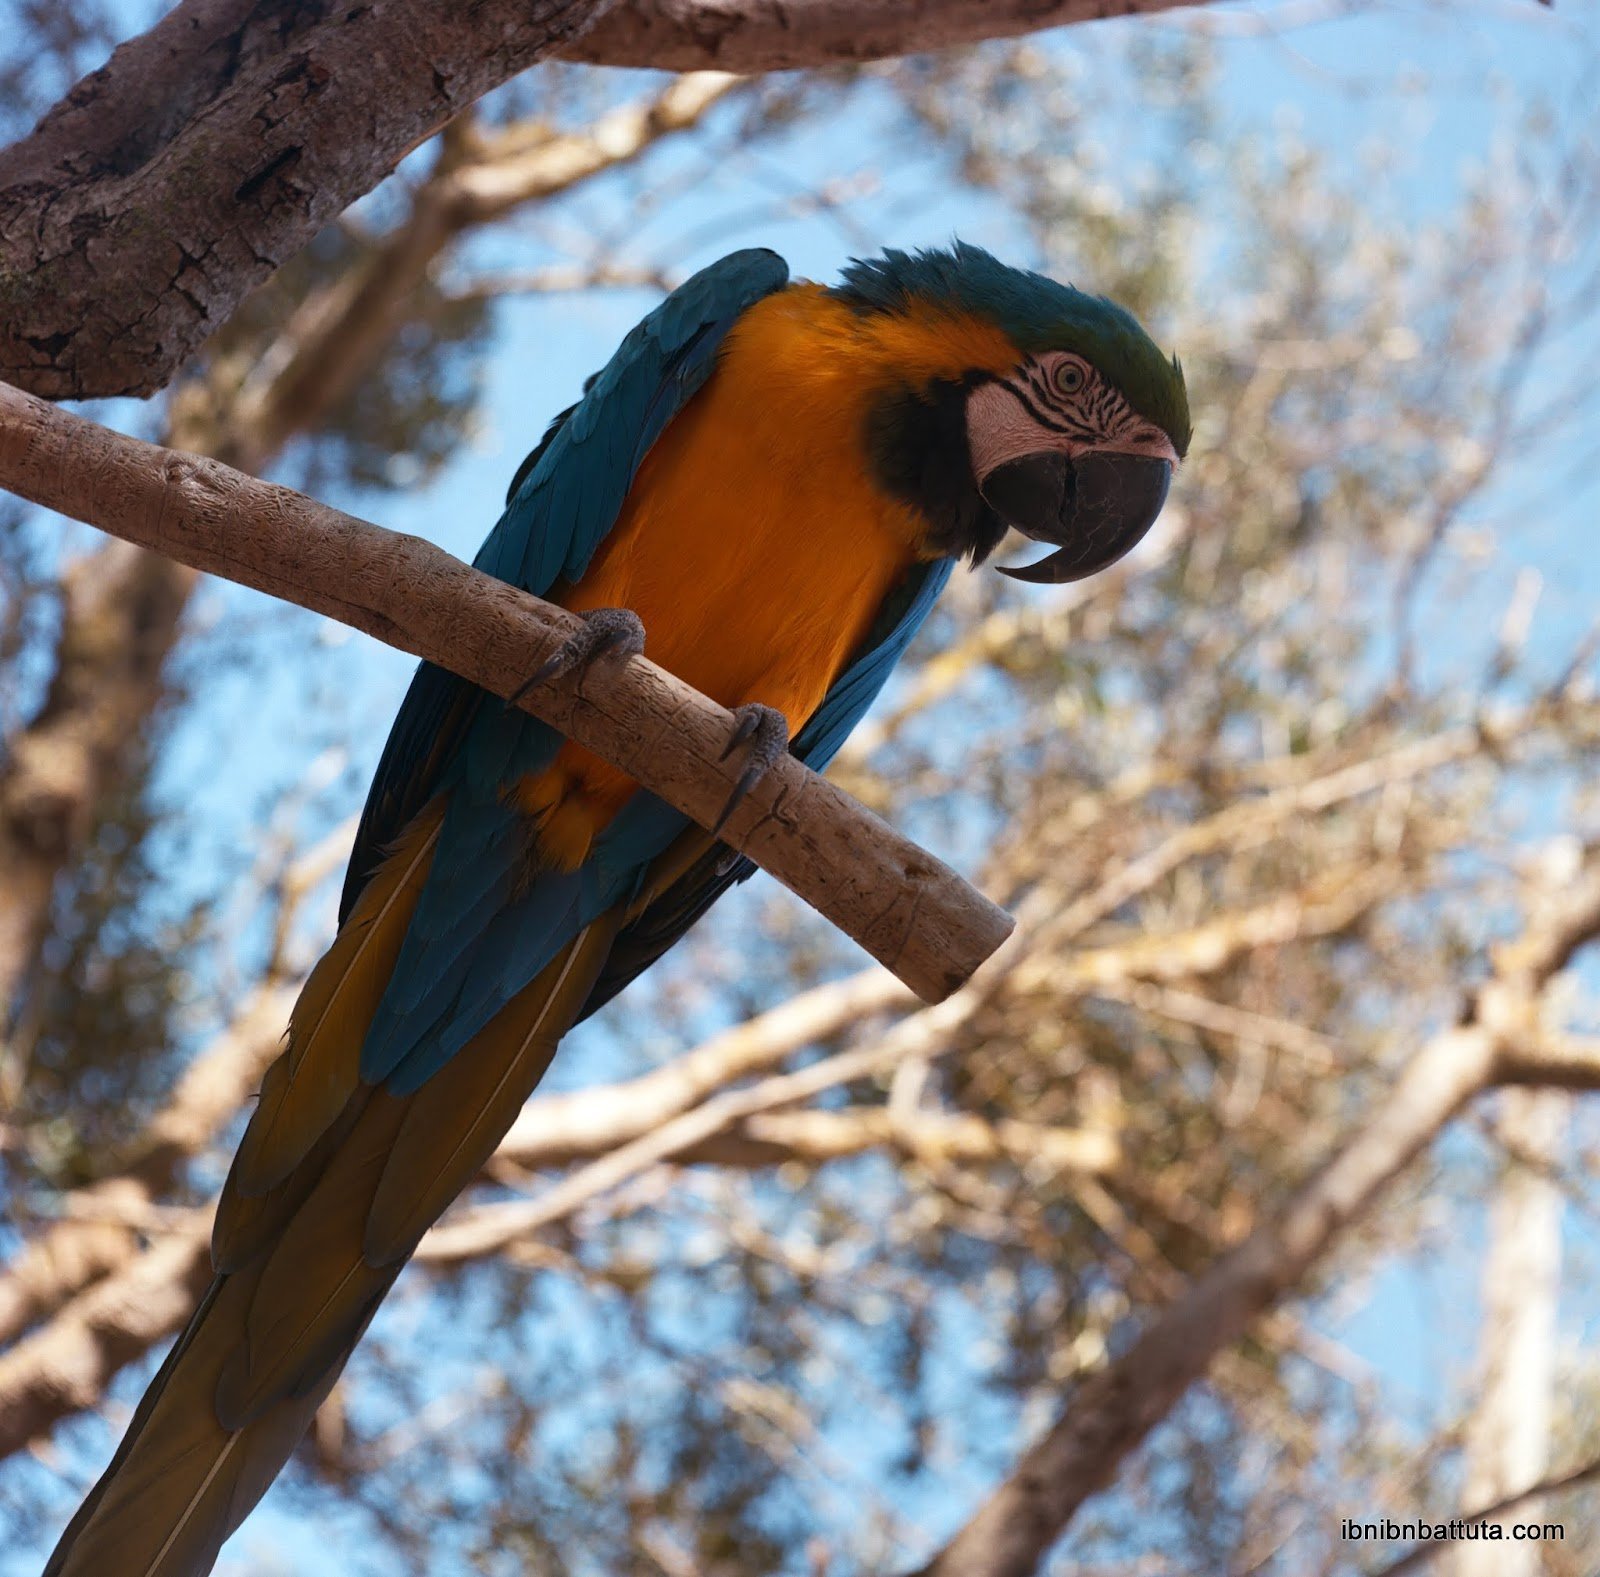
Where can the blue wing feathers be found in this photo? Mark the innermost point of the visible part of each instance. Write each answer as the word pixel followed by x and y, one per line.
pixel 646 938
pixel 482 927
pixel 481 930
pixel 850 696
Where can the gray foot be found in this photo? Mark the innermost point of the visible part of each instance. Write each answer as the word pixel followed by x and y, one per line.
pixel 767 734
pixel 607 633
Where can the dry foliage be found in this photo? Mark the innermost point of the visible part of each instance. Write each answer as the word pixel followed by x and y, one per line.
pixel 790 1274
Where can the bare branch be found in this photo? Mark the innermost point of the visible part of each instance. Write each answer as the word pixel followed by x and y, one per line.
pixel 917 1035
pixel 1416 1559
pixel 554 1129
pixel 1569 1062
pixel 1186 1007
pixel 915 915
pixel 1109 1414
pixel 736 1129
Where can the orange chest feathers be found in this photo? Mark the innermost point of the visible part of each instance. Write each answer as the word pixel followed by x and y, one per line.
pixel 754 544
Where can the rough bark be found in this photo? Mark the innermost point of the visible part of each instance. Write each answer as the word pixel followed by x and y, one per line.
pixel 911 912
pixel 122 607
pixel 206 152
pixel 775 35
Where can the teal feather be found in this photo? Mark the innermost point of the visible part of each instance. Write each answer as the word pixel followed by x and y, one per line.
pixel 482 927
pixel 1036 313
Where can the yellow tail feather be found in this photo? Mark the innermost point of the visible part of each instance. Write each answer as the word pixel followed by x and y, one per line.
pixel 306 1260
pixel 308 1086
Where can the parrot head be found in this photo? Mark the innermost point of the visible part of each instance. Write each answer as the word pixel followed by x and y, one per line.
pixel 1068 426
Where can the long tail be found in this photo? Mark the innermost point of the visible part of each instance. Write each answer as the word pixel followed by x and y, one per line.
pixel 333 1186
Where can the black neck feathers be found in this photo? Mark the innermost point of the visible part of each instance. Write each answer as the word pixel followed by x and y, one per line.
pixel 917 448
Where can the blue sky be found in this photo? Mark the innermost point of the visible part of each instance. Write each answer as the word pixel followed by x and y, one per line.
pixel 1433 85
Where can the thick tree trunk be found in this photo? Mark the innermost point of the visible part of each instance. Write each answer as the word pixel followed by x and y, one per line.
pixel 205 153
pixel 1508 1436
pixel 208 151
pixel 120 613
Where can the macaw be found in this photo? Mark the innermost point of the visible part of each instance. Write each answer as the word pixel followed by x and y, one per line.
pixel 771 478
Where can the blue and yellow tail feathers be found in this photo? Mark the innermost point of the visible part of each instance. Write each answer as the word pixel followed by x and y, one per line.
pixel 334 1186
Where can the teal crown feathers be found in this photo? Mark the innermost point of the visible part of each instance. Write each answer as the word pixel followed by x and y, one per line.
pixel 1036 313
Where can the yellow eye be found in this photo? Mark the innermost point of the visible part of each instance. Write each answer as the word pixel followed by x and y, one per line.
pixel 1069 377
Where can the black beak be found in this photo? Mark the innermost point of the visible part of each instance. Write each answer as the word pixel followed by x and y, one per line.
pixel 1096 508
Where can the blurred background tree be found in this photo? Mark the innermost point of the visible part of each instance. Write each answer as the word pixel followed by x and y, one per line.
pixel 1285 798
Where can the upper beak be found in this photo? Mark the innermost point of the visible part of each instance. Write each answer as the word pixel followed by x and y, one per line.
pixel 1096 507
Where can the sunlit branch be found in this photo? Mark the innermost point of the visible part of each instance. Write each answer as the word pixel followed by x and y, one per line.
pixel 914 914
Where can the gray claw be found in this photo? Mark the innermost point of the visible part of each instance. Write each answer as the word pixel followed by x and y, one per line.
pixel 614 633
pixel 767 731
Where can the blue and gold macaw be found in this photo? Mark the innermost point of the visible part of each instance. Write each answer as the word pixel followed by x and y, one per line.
pixel 774 480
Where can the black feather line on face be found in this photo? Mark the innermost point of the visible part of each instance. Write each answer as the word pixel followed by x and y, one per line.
pixel 1027 399
pixel 916 440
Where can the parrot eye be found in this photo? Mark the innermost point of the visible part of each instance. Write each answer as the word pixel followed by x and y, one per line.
pixel 1068 377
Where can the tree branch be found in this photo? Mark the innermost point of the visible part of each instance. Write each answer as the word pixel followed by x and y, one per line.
pixel 246 127
pixel 912 913
pixel 777 35
pixel 334 338
pixel 1109 1414
pixel 119 616
pixel 122 607
pixel 735 1129
pixel 1422 1554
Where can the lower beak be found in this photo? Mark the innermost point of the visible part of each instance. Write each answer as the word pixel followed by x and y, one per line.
pixel 1095 508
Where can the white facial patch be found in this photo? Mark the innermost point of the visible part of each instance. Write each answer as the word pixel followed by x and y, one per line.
pixel 1000 428
pixel 1056 401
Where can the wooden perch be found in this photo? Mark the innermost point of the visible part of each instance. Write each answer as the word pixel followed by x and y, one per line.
pixel 910 911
